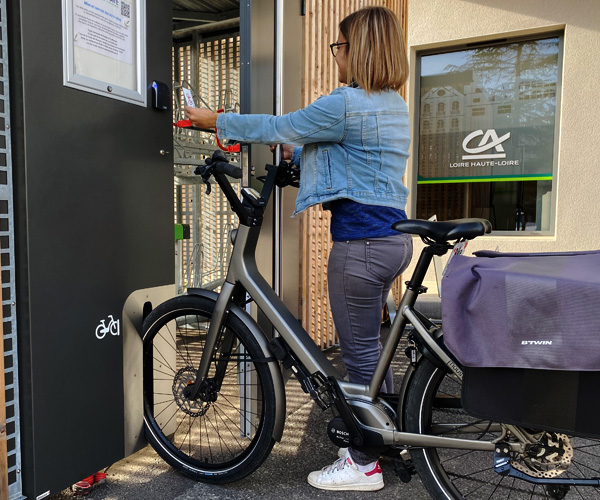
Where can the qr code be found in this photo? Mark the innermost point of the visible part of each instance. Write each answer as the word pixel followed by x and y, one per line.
pixel 125 9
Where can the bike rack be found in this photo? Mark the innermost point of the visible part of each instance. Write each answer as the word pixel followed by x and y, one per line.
pixel 202 259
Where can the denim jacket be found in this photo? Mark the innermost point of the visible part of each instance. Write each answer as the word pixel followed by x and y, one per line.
pixel 355 145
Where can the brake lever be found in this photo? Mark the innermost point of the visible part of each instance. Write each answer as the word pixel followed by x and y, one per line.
pixel 205 171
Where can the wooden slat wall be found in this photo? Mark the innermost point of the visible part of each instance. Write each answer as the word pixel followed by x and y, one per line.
pixel 320 77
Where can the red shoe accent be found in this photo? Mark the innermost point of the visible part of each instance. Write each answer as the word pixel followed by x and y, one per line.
pixel 99 477
pixel 376 470
pixel 82 488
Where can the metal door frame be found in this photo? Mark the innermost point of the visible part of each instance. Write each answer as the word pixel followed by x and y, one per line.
pixel 7 254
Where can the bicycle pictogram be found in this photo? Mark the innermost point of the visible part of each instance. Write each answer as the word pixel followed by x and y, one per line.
pixel 113 327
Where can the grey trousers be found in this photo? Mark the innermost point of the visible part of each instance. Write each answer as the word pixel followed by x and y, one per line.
pixel 360 274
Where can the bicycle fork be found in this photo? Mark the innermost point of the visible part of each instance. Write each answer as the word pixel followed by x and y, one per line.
pixel 203 387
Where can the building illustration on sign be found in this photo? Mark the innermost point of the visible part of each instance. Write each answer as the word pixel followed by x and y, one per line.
pixel 454 117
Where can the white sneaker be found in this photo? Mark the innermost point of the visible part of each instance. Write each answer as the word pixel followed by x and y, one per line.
pixel 344 475
pixel 342 452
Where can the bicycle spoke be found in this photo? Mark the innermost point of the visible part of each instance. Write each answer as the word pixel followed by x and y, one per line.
pixel 469 452
pixel 238 426
pixel 236 409
pixel 233 436
pixel 481 485
pixel 165 361
pixel 186 346
pixel 467 476
pixel 163 410
pixel 206 433
pixel 586 466
pixel 497 485
pixel 174 345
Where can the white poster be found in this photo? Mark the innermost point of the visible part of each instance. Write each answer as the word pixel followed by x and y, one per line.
pixel 104 27
pixel 104 48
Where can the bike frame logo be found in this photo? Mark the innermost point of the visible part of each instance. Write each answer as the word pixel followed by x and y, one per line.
pixel 113 326
pixel 489 140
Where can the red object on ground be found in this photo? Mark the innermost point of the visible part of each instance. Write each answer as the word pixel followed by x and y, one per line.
pixel 99 478
pixel 82 487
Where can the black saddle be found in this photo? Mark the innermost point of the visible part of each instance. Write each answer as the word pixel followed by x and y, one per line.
pixel 444 231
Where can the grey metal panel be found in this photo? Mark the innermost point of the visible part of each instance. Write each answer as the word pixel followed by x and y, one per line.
pixel 94 224
pixel 292 100
pixel 261 82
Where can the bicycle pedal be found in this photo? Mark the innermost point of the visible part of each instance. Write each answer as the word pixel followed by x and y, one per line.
pixel 405 470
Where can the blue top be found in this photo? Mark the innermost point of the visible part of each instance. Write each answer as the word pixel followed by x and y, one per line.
pixel 354 221
pixel 355 145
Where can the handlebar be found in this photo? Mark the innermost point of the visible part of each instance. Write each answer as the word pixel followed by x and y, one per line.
pixel 218 164
pixel 251 208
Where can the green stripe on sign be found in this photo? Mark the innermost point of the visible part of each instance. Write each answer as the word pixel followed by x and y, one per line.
pixel 496 178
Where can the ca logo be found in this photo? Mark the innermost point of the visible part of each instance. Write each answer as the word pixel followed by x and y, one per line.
pixel 489 140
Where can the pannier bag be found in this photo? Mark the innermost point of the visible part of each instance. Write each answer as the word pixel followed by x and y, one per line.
pixel 526 328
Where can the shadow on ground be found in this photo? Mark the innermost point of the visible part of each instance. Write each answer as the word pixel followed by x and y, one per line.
pixel 303 448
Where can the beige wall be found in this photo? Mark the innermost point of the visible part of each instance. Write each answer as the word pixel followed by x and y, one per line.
pixel 441 23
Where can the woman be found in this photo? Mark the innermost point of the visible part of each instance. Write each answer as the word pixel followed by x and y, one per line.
pixel 351 147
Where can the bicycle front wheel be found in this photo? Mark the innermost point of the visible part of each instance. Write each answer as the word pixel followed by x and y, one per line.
pixel 225 433
pixel 433 407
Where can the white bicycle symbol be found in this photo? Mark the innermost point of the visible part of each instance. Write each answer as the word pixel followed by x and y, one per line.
pixel 102 329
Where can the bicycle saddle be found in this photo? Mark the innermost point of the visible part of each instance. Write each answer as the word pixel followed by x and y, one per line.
pixel 444 231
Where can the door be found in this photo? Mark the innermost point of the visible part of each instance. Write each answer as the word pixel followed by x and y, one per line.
pixel 93 223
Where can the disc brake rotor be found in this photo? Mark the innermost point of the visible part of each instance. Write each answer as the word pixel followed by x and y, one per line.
pixel 183 379
pixel 548 458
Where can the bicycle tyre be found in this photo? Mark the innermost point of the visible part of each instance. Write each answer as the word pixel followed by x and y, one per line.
pixel 466 474
pixel 211 441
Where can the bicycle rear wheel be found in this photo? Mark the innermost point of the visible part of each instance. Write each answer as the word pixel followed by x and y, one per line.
pixel 433 407
pixel 227 432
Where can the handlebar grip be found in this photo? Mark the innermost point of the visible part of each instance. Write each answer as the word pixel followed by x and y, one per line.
pixel 228 169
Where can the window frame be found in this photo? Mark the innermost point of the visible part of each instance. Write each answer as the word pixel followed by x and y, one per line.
pixel 466 44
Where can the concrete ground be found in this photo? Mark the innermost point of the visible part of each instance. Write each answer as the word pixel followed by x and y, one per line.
pixel 305 447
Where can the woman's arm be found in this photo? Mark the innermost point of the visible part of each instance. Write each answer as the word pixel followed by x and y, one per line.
pixel 322 121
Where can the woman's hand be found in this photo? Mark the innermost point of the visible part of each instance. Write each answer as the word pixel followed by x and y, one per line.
pixel 201 117
pixel 287 150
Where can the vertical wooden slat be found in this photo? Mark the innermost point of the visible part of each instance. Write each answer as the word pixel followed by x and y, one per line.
pixel 321 77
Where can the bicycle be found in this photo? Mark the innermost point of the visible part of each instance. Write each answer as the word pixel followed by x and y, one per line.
pixel 214 399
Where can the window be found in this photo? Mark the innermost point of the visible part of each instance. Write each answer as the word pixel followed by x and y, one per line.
pixel 496 161
pixel 426 109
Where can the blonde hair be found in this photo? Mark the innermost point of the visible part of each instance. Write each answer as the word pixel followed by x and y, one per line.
pixel 376 50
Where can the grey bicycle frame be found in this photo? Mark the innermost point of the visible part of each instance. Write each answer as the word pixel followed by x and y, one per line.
pixel 243 270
